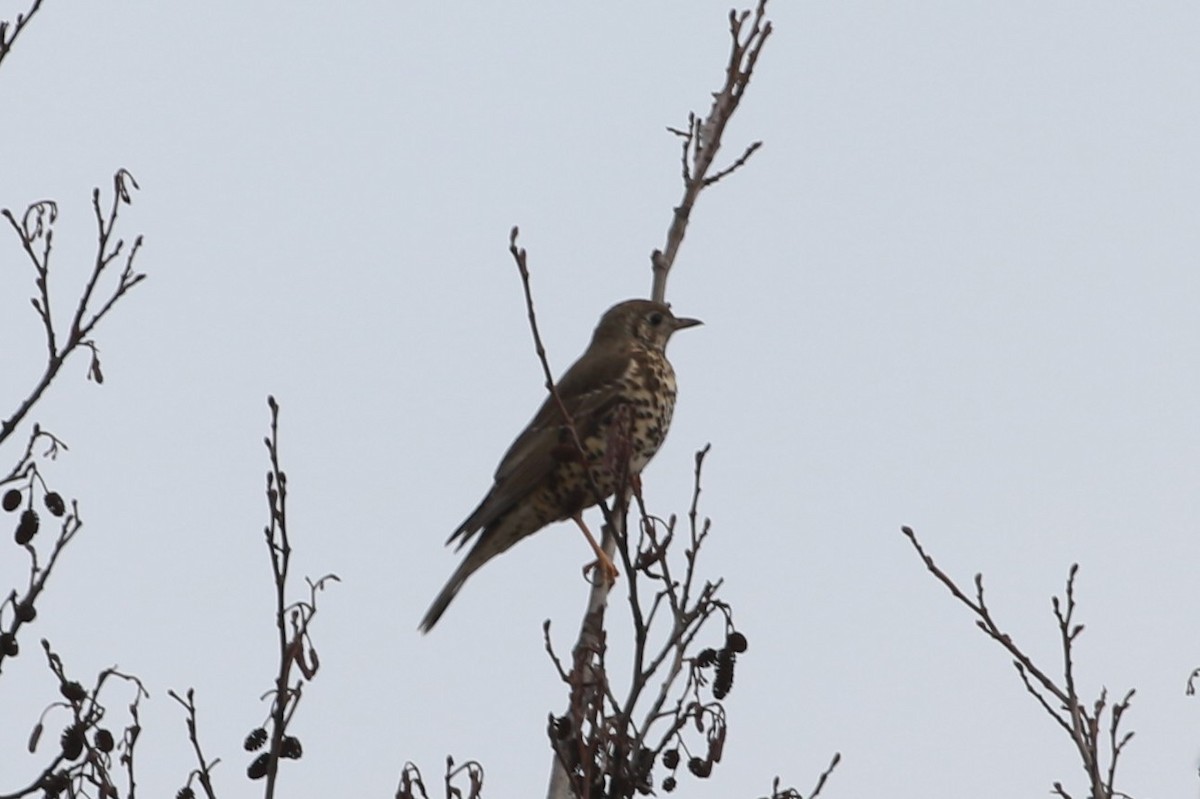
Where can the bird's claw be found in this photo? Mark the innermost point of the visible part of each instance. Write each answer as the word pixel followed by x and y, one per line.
pixel 605 568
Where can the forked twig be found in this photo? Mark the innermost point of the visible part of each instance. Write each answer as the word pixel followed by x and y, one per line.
pixel 35 231
pixel 701 140
pixel 203 772
pixel 1068 711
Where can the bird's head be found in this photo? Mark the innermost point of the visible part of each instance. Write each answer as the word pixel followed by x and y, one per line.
pixel 646 322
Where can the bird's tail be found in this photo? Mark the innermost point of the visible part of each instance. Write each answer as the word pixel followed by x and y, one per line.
pixel 465 570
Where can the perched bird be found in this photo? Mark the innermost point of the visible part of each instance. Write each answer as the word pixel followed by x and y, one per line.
pixel 619 395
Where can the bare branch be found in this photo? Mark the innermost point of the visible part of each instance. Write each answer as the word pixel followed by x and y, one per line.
pixel 292 622
pixel 816 791
pixel 9 32
pixel 24 604
pixel 736 165
pixel 203 772
pixel 521 258
pixel 83 764
pixel 792 793
pixel 616 747
pixel 701 141
pixel 35 231
pixel 1080 723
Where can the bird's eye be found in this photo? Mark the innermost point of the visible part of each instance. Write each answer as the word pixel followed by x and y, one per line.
pixel 655 319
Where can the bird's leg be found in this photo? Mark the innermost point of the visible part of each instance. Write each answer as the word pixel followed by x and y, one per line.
pixel 603 563
pixel 635 483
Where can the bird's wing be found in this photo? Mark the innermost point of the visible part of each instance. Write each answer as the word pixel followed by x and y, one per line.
pixel 585 393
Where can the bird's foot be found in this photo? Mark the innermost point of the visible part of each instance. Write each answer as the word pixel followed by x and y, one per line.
pixel 601 568
pixel 603 564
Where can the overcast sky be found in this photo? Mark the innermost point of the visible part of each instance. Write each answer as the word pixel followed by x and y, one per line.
pixel 956 289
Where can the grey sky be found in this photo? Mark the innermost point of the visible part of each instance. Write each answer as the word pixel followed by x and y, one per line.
pixel 956 289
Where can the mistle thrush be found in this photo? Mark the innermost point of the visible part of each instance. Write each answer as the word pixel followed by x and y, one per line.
pixel 620 396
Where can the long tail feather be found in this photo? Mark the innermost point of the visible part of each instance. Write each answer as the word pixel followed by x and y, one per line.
pixel 465 570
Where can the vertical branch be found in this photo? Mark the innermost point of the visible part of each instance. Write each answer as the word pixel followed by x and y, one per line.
pixel 281 554
pixel 586 666
pixel 700 144
pixel 292 623
pixel 701 139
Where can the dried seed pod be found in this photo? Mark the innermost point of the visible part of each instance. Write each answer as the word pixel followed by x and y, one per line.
pixel 670 758
pixel 103 740
pixel 736 642
pixel 723 682
pixel 27 528
pixel 668 784
pixel 72 742
pixel 701 768
pixel 72 691
pixel 255 740
pixel 185 792
pixel 258 769
pixel 12 500
pixel 54 503
pixel 8 645
pixel 706 658
pixel 290 748
pixel 26 612
pixel 56 783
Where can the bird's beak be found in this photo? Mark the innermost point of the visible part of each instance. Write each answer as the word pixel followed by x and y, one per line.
pixel 682 322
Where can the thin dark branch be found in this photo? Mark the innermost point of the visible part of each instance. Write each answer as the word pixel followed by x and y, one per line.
pixel 558 666
pixel 83 765
pixel 816 791
pixel 281 552
pixel 203 772
pixel 38 576
pixel 1080 723
pixel 736 165
pixel 35 231
pixel 521 258
pixel 9 32
pixel 986 623
pixel 292 621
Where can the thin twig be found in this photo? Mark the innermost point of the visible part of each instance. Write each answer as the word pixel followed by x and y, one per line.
pixel 203 773
pixel 521 258
pixel 292 621
pixel 7 39
pixel 702 140
pixel 1082 725
pixel 816 791
pixel 37 227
